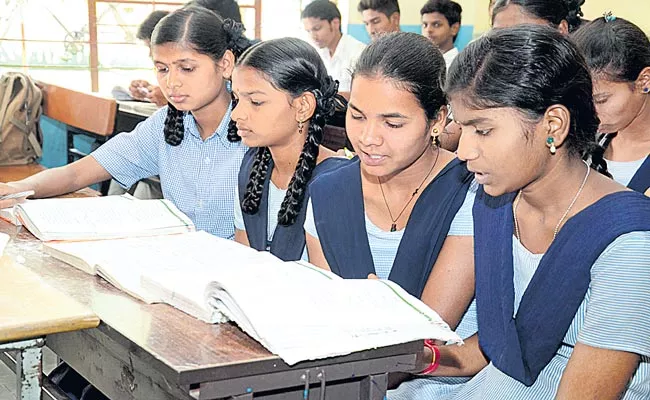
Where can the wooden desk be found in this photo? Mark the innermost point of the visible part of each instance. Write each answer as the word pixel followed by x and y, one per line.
pixel 18 172
pixel 29 310
pixel 142 351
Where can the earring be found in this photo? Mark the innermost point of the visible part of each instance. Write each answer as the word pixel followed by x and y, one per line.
pixel 435 138
pixel 300 125
pixel 646 90
pixel 551 145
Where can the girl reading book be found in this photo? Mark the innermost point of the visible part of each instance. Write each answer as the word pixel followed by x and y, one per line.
pixel 618 56
pixel 556 242
pixel 284 98
pixel 402 209
pixel 189 143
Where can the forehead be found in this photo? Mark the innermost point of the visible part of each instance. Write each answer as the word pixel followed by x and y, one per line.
pixel 172 52
pixel 369 15
pixel 512 15
pixel 311 21
pixel 244 78
pixel 465 115
pixel 602 86
pixel 379 95
pixel 434 17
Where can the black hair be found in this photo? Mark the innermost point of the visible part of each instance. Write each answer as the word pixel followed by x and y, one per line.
pixel 386 7
pixel 450 9
pixel 207 33
pixel 618 49
pixel 292 66
pixel 530 68
pixel 553 11
pixel 145 29
pixel 227 9
pixel 398 57
pixel 321 9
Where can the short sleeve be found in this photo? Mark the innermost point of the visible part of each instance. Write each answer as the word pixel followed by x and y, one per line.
pixel 239 217
pixel 310 223
pixel 617 316
pixel 463 223
pixel 132 156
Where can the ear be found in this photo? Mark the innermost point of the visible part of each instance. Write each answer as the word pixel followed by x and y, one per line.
pixel 305 106
pixel 227 64
pixel 563 27
pixel 394 18
pixel 438 124
pixel 556 123
pixel 454 29
pixel 336 24
pixel 642 82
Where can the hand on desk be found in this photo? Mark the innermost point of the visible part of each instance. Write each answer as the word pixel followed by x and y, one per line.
pixel 7 189
pixel 143 90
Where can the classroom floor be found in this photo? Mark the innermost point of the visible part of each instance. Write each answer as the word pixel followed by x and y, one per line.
pixel 8 378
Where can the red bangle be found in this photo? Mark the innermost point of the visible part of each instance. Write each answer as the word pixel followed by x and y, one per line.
pixel 435 361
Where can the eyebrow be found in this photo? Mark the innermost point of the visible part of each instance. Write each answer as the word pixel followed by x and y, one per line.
pixel 252 92
pixel 385 115
pixel 181 61
pixel 474 121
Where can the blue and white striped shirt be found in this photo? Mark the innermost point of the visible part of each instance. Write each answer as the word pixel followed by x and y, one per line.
pixel 605 319
pixel 198 176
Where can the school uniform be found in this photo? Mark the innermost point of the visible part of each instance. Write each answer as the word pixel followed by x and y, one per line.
pixel 198 176
pixel 341 63
pixel 355 247
pixel 534 308
pixel 632 174
pixel 449 56
pixel 262 229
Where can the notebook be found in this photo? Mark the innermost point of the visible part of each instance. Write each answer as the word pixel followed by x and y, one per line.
pixel 107 217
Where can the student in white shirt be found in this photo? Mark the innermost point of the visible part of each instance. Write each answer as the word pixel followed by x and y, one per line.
pixel 440 24
pixel 322 21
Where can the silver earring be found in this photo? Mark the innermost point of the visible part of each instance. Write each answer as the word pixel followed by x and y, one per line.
pixel 300 126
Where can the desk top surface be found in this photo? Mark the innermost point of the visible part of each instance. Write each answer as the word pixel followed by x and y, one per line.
pixel 30 308
pixel 183 348
pixel 17 172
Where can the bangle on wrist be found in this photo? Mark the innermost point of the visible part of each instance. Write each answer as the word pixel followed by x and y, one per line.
pixel 435 360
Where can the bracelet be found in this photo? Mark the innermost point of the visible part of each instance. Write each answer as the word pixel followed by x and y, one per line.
pixel 435 361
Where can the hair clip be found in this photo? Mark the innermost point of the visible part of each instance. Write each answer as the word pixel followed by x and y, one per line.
pixel 609 17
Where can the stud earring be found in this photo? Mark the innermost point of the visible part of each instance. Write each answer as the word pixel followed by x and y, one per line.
pixel 300 126
pixel 550 142
pixel 646 90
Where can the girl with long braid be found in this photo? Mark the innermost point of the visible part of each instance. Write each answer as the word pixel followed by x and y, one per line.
pixel 618 56
pixel 189 143
pixel 284 98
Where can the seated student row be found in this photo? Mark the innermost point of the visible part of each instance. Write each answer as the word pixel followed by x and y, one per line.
pixel 421 112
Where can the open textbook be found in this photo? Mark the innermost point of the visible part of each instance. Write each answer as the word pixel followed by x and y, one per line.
pixel 100 218
pixel 294 309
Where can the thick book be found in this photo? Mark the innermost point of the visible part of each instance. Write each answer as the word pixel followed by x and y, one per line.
pixel 107 217
pixel 296 310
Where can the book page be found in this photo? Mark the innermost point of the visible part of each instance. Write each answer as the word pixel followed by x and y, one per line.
pixel 101 218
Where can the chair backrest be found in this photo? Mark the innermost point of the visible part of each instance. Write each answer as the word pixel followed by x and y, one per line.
pixel 89 112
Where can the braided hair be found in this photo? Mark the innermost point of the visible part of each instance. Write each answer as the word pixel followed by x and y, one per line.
pixel 207 33
pixel 295 67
